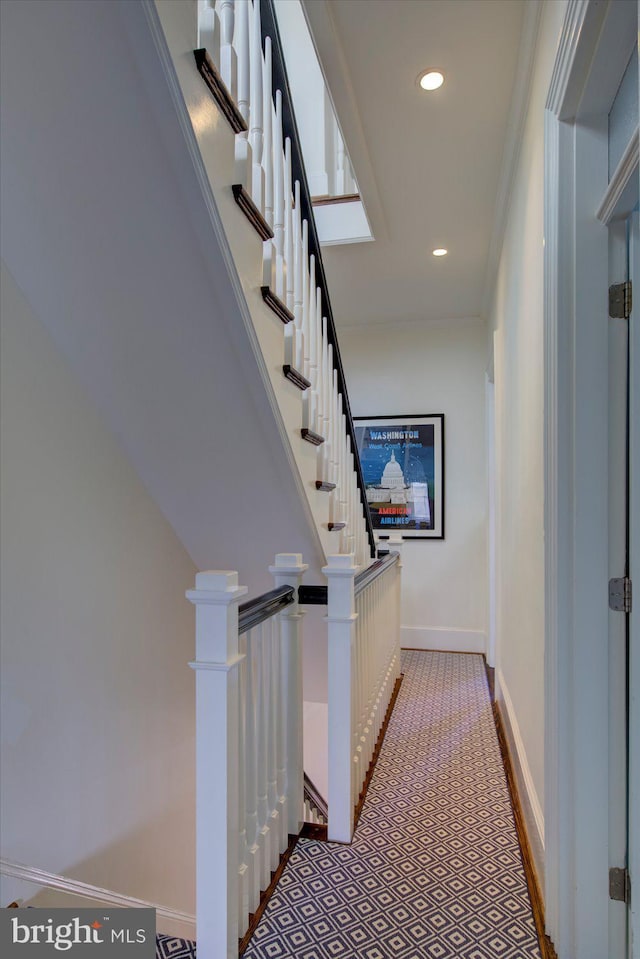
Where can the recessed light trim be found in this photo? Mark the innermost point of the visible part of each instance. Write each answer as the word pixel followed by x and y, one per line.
pixel 440 251
pixel 431 79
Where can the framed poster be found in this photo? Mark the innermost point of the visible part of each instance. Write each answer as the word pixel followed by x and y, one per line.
pixel 403 468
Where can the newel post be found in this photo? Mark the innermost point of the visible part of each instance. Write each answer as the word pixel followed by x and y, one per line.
pixel 341 622
pixel 288 571
pixel 396 543
pixel 216 598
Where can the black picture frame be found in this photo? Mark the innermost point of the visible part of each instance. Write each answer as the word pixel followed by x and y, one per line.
pixel 402 461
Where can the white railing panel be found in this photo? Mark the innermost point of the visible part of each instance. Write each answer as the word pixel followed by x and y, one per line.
pixel 249 768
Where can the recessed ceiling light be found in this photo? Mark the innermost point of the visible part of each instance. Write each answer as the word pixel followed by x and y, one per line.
pixel 431 79
pixel 440 252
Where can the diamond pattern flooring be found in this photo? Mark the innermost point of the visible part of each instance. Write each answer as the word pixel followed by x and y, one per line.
pixel 434 870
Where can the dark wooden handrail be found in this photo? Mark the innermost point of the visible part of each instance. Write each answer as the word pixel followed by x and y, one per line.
pixel 313 796
pixel 367 576
pixel 290 129
pixel 255 611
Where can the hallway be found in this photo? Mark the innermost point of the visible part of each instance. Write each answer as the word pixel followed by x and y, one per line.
pixel 434 871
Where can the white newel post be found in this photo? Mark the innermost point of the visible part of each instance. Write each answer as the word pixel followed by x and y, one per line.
pixel 288 571
pixel 341 622
pixel 216 598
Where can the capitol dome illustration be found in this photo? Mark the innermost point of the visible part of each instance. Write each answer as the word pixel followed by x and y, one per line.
pixel 393 477
pixel 393 489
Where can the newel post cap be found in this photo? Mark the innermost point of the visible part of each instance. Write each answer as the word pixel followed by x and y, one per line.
pixel 342 564
pixel 288 563
pixel 216 585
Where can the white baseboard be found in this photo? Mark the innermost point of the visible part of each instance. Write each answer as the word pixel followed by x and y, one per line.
pixel 531 807
pixel 447 640
pixel 72 892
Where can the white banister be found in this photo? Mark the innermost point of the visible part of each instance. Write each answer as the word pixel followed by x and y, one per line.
pixel 216 598
pixel 363 665
pixel 341 626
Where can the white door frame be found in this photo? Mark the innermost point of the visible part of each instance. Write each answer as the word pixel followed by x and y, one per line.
pixel 576 482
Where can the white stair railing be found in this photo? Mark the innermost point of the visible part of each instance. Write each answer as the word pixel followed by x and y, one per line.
pixel 249 767
pixel 263 168
pixel 364 665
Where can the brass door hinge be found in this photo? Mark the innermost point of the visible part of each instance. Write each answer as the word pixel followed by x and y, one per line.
pixel 620 300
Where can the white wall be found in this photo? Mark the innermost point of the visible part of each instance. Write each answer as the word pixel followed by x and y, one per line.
pixel 517 318
pixel 436 368
pixel 97 698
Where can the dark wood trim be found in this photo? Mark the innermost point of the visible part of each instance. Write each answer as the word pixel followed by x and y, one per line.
pixel 312 437
pixel 209 73
pixel 325 487
pixel 376 752
pixel 313 796
pixel 313 595
pixel 313 830
pixel 329 200
pixel 266 895
pixel 296 378
pixel 490 673
pixel 251 211
pixel 547 950
pixel 275 303
pixel 335 526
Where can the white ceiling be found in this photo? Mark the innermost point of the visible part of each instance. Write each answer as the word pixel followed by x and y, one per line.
pixel 431 167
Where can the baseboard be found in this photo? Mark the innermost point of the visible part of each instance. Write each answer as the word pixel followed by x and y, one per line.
pixel 54 890
pixel 444 639
pixel 531 807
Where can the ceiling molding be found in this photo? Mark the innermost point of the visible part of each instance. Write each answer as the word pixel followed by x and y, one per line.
pixel 513 143
pixel 337 78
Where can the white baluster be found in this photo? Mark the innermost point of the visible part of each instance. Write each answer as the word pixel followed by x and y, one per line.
pixel 288 225
pixel 273 693
pixel 251 779
pixel 241 44
pixel 267 151
pixel 312 317
pixel 288 571
pixel 243 849
pixel 228 57
pixel 261 714
pixel 256 129
pixel 304 349
pixel 209 29
pixel 243 151
pixel 216 598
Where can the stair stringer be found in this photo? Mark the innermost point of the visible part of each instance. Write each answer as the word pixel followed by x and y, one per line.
pixel 211 144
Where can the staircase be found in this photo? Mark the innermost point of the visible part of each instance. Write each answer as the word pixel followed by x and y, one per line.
pixel 225 64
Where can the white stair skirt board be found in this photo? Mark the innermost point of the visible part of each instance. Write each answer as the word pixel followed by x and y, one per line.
pixel 316 745
pixel 37 887
pixel 446 639
pixel 531 807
